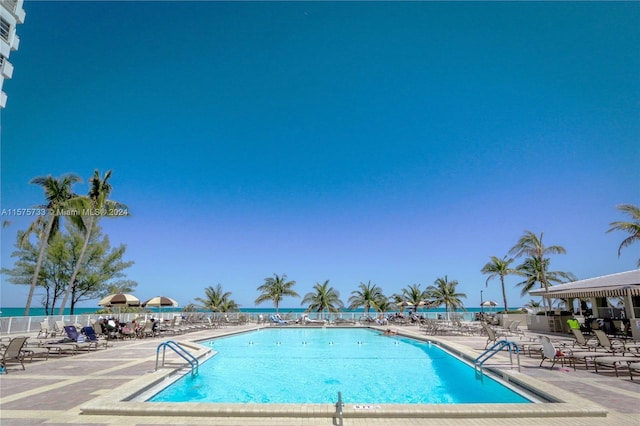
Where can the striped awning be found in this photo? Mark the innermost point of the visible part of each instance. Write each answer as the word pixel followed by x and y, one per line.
pixel 615 285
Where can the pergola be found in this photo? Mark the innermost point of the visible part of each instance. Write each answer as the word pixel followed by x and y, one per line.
pixel 623 284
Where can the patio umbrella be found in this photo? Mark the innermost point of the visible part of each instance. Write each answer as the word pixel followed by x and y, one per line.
pixel 404 304
pixel 121 299
pixel 489 303
pixel 160 301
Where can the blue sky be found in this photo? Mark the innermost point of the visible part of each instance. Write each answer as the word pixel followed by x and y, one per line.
pixel 349 141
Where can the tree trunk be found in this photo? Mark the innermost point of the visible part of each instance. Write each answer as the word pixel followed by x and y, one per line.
pixel 76 270
pixel 36 273
pixel 504 295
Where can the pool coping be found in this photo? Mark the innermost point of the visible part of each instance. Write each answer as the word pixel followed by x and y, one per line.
pixel 121 401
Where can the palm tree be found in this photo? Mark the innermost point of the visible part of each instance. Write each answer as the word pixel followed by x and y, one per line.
pixel 369 296
pixel 58 194
pixel 275 288
pixel 443 292
pixel 413 294
pixel 323 298
pixel 532 246
pixel 632 228
pixel 216 299
pixel 94 206
pixel 533 271
pixel 532 304
pixel 386 305
pixel 499 268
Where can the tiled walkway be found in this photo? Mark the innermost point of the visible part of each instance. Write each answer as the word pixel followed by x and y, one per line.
pixel 53 392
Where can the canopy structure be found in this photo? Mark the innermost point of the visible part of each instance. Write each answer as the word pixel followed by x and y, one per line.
pixel 623 284
pixel 615 285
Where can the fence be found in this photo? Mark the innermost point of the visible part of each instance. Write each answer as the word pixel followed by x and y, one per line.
pixel 31 324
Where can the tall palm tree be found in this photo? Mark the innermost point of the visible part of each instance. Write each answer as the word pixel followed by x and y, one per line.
pixel 323 298
pixel 275 288
pixel 386 305
pixel 216 299
pixel 58 195
pixel 632 228
pixel 531 245
pixel 443 292
pixel 499 268
pixel 414 294
pixel 369 296
pixel 533 270
pixel 94 206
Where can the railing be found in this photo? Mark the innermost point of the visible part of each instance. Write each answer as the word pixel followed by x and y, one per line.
pixel 337 418
pixel 611 312
pixel 5 29
pixel 31 324
pixel 10 4
pixel 497 347
pixel 178 349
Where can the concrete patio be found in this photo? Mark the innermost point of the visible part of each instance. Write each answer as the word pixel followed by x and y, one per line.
pixel 58 390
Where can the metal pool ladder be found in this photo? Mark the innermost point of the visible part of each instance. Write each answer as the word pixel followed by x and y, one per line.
pixel 497 347
pixel 337 418
pixel 177 348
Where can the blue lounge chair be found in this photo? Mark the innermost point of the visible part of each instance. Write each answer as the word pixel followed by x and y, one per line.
pixel 275 319
pixel 78 339
pixel 91 336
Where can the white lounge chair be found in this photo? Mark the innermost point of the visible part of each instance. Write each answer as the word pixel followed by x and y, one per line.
pixel 552 354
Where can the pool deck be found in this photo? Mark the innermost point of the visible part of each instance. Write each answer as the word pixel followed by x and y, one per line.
pixel 86 389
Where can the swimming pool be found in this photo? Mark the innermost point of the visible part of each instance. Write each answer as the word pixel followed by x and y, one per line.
pixel 302 365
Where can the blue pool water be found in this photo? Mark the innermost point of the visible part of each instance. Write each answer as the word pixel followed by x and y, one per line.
pixel 312 365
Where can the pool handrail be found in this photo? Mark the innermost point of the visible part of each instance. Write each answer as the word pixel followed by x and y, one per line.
pixel 182 352
pixel 494 349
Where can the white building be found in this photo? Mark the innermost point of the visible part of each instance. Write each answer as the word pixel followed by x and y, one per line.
pixel 11 14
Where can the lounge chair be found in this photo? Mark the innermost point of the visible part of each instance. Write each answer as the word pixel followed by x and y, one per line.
pixel 128 331
pixel 504 328
pixel 343 321
pixel 492 335
pixel 35 350
pixel 59 329
pixel 79 340
pixel 306 320
pixel 514 329
pixel 92 336
pixel 582 342
pixel 45 330
pixel 60 346
pixel 552 354
pixel 611 345
pixel 633 366
pixel 277 320
pixel 14 353
pixel 615 362
pixel 146 330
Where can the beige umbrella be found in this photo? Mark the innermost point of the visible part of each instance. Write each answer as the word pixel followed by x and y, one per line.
pixel 121 299
pixel 160 301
